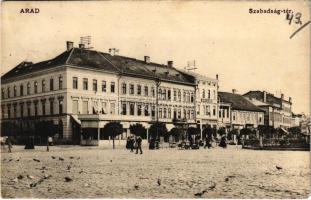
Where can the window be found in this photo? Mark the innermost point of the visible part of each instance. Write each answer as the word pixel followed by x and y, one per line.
pixel 2 111
pixel 209 94
pixel 179 114
pixel 203 94
pixel 233 116
pixel 164 94
pixel 185 113
pixel 104 107
pixel 259 119
pixel 132 106
pixel 153 91
pixel 160 94
pixel 214 111
pixel 184 96
pixel 35 87
pixel 153 111
pixel 75 107
pixel 95 85
pixel 188 114
pixel 28 88
pixel 2 93
pixel 188 96
pixel 160 112
pixel 9 95
pixel 22 109
pixel 14 91
pixel 228 113
pixel 169 113
pixel 146 90
pixel 179 95
pixel 104 86
pixel 214 94
pixel 112 108
pixel 138 89
pixel 175 95
pixel 51 107
pixel 112 87
pixel 14 110
pixel 85 107
pixel 28 109
pixel 21 90
pixel 123 88
pixel 60 82
pixel 60 106
pixel 219 113
pixel 43 107
pixel 43 85
pixel 9 111
pixel 131 89
pixel 169 94
pixel 191 98
pixel 192 114
pixel 138 110
pixel 85 84
pixel 123 109
pixel 51 84
pixel 164 113
pixel 36 108
pixel 146 110
pixel 75 82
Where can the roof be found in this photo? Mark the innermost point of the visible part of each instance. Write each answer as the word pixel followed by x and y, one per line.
pixel 91 59
pixel 199 76
pixel 238 102
pixel 271 99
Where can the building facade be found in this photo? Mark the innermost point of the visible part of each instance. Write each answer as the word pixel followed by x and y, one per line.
pixel 237 113
pixel 81 90
pixel 278 111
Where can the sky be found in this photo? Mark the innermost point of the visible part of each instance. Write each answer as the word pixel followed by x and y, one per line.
pixel 248 51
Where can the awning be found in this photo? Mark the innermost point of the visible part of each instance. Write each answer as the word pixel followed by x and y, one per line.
pixel 169 126
pixel 284 130
pixel 75 118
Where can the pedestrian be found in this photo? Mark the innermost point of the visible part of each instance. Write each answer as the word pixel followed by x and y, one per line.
pixel 128 141
pixel 132 142
pixel 223 143
pixel 9 144
pixel 138 143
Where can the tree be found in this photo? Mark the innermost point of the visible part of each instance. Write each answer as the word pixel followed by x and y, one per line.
pixel 175 132
pixel 157 129
pixel 221 131
pixel 113 129
pixel 208 132
pixel 295 131
pixel 191 131
pixel 46 129
pixel 138 130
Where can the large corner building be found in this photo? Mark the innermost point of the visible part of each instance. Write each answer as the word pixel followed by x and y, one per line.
pixel 81 90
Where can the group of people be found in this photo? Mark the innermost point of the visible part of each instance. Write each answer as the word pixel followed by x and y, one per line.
pixel 209 140
pixel 134 143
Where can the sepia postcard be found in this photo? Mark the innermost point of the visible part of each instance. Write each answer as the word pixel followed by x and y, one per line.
pixel 155 99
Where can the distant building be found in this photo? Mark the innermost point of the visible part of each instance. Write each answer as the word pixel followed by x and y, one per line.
pixel 278 111
pixel 241 112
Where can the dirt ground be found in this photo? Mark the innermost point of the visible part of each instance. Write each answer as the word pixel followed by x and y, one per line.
pixel 100 172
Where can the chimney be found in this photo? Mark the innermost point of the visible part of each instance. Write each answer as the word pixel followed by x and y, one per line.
pixel 282 96
pixel 81 46
pixel 264 96
pixel 290 99
pixel 147 59
pixel 69 45
pixel 217 76
pixel 170 63
pixel 233 91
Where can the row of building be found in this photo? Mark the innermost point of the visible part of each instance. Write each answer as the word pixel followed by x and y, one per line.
pixel 81 90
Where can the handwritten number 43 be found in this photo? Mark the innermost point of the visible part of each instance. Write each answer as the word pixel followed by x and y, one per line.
pixel 297 18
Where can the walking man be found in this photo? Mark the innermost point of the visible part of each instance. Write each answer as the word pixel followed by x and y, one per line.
pixel 138 141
